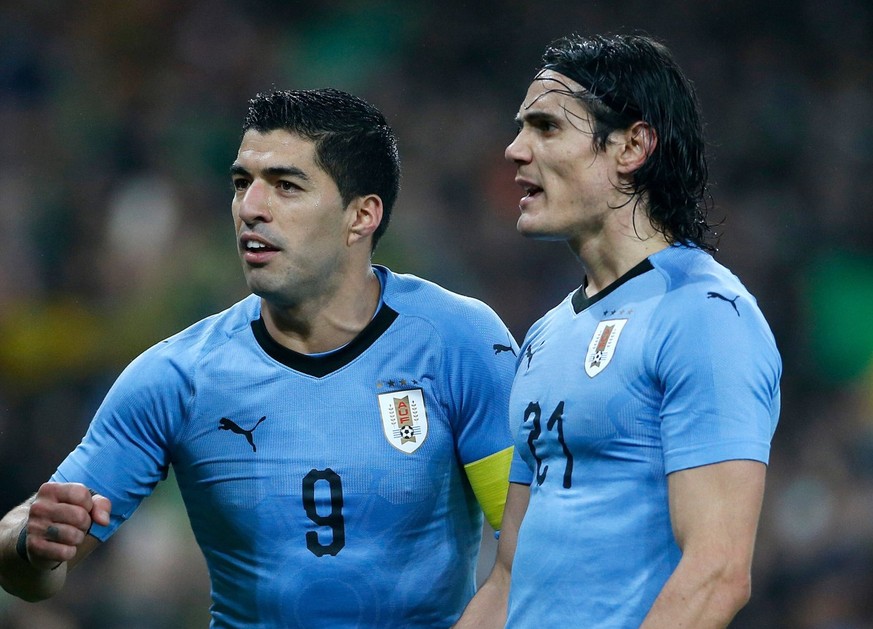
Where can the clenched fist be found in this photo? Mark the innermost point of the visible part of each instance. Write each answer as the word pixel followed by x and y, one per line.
pixel 58 521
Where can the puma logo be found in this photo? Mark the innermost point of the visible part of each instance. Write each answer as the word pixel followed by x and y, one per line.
pixel 226 424
pixel 529 352
pixel 503 348
pixel 732 302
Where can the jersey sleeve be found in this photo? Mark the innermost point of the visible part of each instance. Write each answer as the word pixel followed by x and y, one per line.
pixel 126 450
pixel 719 368
pixel 482 364
pixel 520 471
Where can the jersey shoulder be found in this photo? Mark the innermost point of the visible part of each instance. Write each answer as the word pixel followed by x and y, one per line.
pixel 707 305
pixel 443 309
pixel 186 348
pixel 694 280
pixel 684 266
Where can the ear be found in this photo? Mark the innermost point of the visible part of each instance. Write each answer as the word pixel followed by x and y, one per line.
pixel 637 143
pixel 366 215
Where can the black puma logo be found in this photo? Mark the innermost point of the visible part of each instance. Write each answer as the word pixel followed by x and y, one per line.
pixel 529 355
pixel 503 348
pixel 732 302
pixel 225 424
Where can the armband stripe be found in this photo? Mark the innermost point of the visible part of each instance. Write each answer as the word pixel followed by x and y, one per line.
pixel 489 478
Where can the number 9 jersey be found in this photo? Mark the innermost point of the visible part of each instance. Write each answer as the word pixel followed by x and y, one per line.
pixel 338 490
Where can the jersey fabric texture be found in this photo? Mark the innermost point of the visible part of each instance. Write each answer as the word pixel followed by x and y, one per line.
pixel 324 491
pixel 671 367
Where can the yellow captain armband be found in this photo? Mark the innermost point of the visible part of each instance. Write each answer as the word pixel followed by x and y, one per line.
pixel 489 478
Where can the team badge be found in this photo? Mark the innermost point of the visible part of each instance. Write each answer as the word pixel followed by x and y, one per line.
pixel 404 419
pixel 602 346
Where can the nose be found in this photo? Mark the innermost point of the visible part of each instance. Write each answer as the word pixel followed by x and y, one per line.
pixel 518 150
pixel 255 204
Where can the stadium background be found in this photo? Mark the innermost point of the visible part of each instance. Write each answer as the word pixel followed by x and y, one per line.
pixel 119 121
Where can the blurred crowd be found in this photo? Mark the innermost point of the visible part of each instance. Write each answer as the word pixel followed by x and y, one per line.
pixel 120 121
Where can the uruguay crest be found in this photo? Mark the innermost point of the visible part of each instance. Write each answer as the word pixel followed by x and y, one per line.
pixel 404 419
pixel 602 345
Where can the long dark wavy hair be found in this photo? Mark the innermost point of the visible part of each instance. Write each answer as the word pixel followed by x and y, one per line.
pixel 628 78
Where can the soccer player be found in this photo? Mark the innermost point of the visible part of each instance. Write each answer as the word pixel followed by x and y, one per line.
pixel 644 403
pixel 336 436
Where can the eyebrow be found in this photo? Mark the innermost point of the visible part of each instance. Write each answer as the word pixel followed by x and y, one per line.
pixel 272 171
pixel 534 117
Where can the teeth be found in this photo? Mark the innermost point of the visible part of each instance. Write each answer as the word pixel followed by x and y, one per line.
pixel 252 244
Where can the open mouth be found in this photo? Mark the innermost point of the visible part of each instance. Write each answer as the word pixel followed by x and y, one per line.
pixel 532 191
pixel 256 251
pixel 257 246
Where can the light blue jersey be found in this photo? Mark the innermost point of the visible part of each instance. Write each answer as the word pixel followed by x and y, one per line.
pixel 330 491
pixel 671 367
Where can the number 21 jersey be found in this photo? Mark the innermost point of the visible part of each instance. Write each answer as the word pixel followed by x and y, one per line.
pixel 671 367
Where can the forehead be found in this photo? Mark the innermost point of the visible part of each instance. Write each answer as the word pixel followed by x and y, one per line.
pixel 551 91
pixel 277 147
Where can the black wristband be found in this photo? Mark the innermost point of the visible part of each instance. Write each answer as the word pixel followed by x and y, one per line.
pixel 21 546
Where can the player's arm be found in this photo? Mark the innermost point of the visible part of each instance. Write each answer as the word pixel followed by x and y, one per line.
pixel 714 511
pixel 43 538
pixel 488 607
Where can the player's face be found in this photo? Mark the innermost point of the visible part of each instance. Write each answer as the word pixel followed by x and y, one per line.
pixel 565 180
pixel 291 223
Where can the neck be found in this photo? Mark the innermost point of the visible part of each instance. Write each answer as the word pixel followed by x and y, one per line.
pixel 326 323
pixel 617 247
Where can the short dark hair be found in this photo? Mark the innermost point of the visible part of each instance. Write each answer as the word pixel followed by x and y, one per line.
pixel 353 142
pixel 627 78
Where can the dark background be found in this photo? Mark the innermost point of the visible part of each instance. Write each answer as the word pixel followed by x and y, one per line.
pixel 119 121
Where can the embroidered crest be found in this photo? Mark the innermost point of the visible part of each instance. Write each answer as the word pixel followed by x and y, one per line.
pixel 404 419
pixel 602 345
